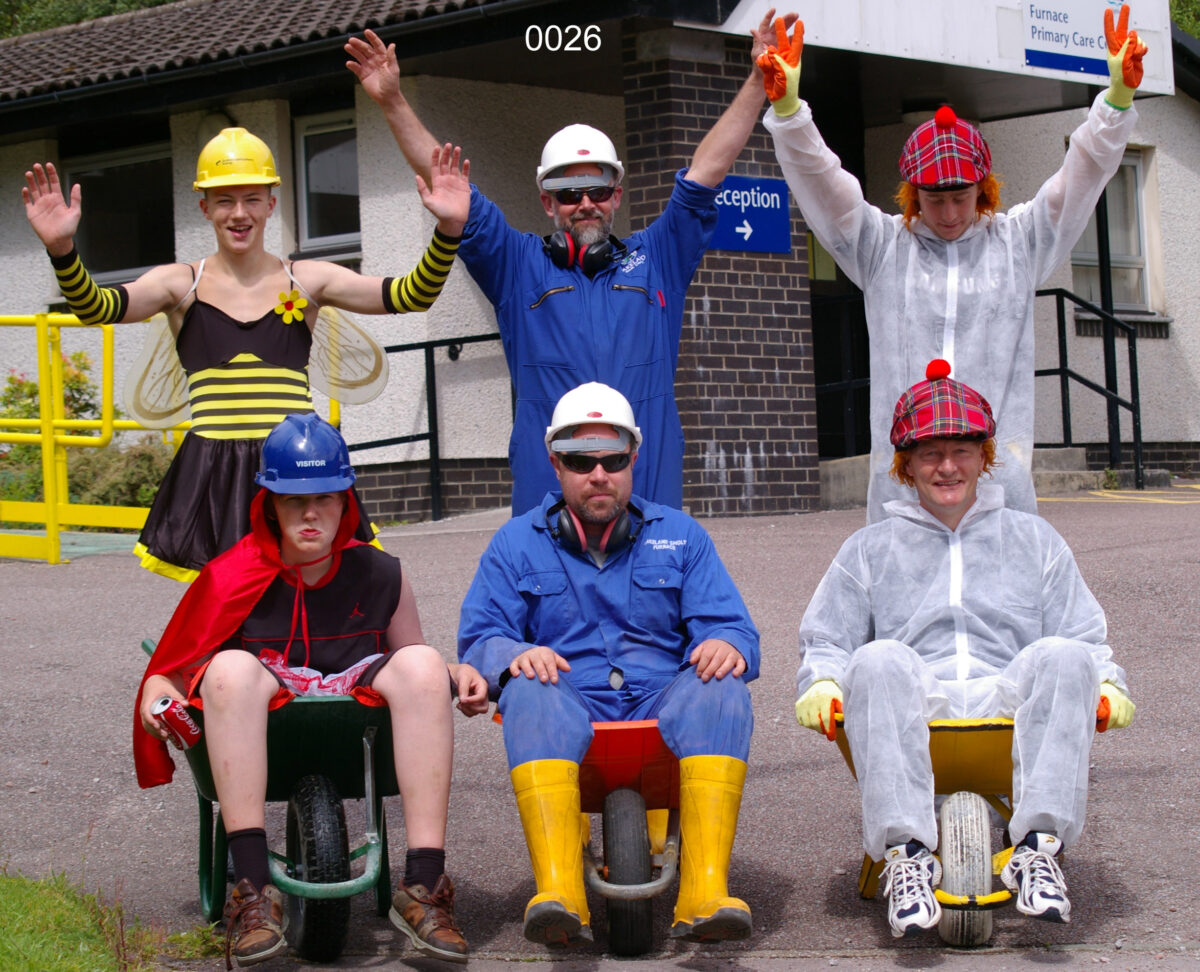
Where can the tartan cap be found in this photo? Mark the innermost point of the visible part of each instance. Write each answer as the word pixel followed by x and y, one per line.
pixel 940 408
pixel 945 153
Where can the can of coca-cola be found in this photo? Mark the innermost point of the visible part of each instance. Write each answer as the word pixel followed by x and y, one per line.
pixel 182 727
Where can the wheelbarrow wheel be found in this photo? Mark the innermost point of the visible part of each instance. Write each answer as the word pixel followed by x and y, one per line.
pixel 318 851
pixel 966 855
pixel 627 858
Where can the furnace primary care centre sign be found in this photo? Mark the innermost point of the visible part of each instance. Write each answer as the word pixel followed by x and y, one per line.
pixel 1059 39
pixel 1066 35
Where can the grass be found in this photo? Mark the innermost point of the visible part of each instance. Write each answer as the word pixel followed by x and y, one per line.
pixel 52 926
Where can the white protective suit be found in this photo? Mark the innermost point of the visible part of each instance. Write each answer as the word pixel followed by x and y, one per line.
pixel 917 622
pixel 969 301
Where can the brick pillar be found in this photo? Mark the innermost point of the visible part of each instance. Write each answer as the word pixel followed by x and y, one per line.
pixel 745 379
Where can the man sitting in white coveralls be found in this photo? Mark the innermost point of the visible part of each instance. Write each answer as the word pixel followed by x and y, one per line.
pixel 954 607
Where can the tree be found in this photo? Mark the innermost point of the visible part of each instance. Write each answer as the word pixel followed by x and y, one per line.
pixel 1186 14
pixel 27 16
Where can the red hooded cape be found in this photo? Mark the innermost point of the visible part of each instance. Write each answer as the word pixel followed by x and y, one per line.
pixel 211 611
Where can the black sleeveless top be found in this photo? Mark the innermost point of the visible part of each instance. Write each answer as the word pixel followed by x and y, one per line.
pixel 243 376
pixel 348 616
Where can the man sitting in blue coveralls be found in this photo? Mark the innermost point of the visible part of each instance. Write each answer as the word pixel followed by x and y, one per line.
pixel 600 606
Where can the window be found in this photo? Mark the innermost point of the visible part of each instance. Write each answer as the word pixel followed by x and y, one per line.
pixel 1126 241
pixel 128 223
pixel 327 184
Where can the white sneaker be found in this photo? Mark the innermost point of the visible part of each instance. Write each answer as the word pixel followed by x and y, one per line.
pixel 910 872
pixel 1033 871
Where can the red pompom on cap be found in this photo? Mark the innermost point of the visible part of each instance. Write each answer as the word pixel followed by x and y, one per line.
pixel 944 117
pixel 937 368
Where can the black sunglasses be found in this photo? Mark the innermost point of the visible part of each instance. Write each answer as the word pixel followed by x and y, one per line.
pixel 597 194
pixel 577 462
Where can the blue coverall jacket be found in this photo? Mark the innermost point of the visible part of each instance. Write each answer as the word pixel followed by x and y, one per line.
pixel 621 327
pixel 642 613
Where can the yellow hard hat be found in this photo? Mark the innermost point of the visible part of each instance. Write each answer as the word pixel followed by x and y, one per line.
pixel 235 157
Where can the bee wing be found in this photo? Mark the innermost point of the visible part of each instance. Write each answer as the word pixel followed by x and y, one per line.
pixel 156 389
pixel 345 362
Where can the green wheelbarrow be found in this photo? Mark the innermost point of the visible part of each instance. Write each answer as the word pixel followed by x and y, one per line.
pixel 310 742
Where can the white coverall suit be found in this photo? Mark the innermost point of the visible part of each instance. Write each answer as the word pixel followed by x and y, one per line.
pixel 917 622
pixel 969 301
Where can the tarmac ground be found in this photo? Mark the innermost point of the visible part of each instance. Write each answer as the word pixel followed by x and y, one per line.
pixel 70 663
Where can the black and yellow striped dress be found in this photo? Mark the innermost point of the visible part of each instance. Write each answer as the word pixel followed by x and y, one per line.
pixel 243 378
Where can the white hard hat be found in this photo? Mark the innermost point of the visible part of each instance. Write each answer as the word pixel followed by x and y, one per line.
pixel 593 402
pixel 578 144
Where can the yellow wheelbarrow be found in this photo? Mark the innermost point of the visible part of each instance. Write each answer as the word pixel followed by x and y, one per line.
pixel 972 767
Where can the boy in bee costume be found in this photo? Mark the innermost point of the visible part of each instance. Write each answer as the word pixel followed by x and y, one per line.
pixel 243 324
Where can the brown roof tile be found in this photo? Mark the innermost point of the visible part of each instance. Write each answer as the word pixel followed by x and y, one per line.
pixel 187 33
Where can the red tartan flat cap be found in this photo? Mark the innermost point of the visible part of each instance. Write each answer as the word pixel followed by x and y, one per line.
pixel 941 408
pixel 945 153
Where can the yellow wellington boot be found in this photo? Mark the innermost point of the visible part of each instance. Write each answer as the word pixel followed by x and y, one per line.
pixel 547 792
pixel 710 795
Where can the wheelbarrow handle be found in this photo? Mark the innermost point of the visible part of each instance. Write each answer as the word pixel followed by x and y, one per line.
pixel 830 728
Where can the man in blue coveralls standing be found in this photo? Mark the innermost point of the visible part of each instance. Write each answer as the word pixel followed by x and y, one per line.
pixel 599 605
pixel 581 304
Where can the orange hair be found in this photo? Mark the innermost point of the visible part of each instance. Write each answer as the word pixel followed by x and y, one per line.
pixel 986 205
pixel 900 461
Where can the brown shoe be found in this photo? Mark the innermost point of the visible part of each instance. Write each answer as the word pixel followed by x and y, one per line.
pixel 428 920
pixel 253 924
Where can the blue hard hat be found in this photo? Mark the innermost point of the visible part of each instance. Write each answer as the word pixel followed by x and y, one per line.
pixel 305 454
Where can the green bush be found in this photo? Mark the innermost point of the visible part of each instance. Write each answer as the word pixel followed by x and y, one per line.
pixel 119 477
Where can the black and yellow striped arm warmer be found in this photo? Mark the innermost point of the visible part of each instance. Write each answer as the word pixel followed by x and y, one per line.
pixel 92 304
pixel 420 287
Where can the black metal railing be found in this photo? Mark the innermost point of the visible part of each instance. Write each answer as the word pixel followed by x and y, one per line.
pixel 1113 401
pixel 453 348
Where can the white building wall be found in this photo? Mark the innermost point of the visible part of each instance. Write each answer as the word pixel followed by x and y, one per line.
pixel 1027 151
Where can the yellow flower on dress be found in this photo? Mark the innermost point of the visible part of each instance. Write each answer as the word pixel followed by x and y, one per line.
pixel 291 307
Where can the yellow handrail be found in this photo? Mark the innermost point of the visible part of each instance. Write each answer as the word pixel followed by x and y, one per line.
pixel 55 433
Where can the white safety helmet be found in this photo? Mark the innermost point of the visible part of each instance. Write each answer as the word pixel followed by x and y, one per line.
pixel 578 144
pixel 593 402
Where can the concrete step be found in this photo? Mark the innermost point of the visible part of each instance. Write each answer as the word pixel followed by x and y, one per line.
pixel 1060 457
pixel 1050 482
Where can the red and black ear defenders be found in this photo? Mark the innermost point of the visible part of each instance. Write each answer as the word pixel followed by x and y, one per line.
pixel 568 531
pixel 591 259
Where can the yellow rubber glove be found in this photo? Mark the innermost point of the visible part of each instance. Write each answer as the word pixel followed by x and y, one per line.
pixel 1115 710
pixel 1125 52
pixel 816 707
pixel 780 65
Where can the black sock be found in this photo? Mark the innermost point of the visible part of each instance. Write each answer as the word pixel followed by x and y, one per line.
pixel 424 865
pixel 248 848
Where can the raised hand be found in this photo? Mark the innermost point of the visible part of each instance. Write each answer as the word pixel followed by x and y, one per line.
pixel 1125 53
pixel 374 64
pixel 448 194
pixel 780 65
pixel 52 217
pixel 765 35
